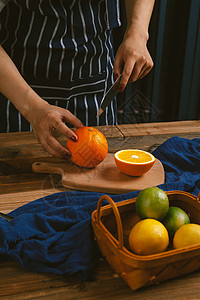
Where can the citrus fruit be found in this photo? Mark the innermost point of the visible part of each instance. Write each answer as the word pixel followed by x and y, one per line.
pixel 90 149
pixel 148 237
pixel 134 162
pixel 187 235
pixel 175 218
pixel 153 203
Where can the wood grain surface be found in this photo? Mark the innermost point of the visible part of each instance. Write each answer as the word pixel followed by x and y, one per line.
pixel 19 185
pixel 105 178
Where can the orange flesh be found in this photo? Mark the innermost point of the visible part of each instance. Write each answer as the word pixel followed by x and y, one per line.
pixel 134 156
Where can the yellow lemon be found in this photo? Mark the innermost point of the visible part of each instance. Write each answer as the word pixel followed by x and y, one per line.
pixel 148 237
pixel 187 235
pixel 152 203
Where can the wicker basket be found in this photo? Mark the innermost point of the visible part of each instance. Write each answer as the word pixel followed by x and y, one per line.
pixel 112 224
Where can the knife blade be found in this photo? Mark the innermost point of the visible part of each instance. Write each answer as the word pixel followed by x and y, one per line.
pixel 109 96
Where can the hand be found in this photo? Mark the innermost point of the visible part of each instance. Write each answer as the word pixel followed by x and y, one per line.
pixel 44 119
pixel 132 58
pixel 42 116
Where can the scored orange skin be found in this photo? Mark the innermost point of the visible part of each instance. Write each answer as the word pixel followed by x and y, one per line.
pixel 90 149
pixel 137 167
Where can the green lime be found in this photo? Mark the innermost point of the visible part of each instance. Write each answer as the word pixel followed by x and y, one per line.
pixel 152 203
pixel 175 218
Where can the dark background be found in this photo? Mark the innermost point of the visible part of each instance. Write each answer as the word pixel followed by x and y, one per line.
pixel 171 91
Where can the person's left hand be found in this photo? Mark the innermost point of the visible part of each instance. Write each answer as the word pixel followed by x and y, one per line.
pixel 133 59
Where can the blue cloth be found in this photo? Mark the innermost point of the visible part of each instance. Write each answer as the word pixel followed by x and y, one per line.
pixel 54 234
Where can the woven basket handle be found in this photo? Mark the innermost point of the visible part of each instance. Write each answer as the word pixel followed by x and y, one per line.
pixel 117 217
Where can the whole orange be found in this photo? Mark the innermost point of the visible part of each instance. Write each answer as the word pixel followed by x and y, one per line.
pixel 90 149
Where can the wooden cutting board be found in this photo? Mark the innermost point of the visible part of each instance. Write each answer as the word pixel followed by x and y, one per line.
pixel 105 178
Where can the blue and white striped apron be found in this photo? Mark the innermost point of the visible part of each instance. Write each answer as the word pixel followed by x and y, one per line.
pixel 63 49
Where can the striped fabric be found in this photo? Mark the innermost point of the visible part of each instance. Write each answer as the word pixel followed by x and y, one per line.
pixel 2 4
pixel 63 49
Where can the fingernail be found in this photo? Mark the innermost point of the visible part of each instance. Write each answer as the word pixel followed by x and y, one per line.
pixel 121 88
pixel 66 155
pixel 116 76
pixel 73 138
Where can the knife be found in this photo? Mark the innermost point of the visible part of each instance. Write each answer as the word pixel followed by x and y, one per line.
pixel 109 96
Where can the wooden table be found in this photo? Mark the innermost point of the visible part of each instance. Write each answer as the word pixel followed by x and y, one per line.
pixel 19 185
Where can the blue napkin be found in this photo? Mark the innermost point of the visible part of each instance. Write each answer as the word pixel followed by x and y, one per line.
pixel 54 234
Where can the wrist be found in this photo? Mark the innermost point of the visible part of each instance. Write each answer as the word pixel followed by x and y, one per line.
pixel 31 103
pixel 137 30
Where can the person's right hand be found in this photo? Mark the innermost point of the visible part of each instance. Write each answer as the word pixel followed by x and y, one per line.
pixel 44 118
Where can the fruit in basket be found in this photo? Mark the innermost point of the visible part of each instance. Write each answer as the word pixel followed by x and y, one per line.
pixel 134 162
pixel 175 218
pixel 152 203
pixel 148 237
pixel 90 149
pixel 187 235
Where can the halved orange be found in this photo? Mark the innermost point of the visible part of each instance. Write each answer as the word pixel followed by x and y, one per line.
pixel 134 162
